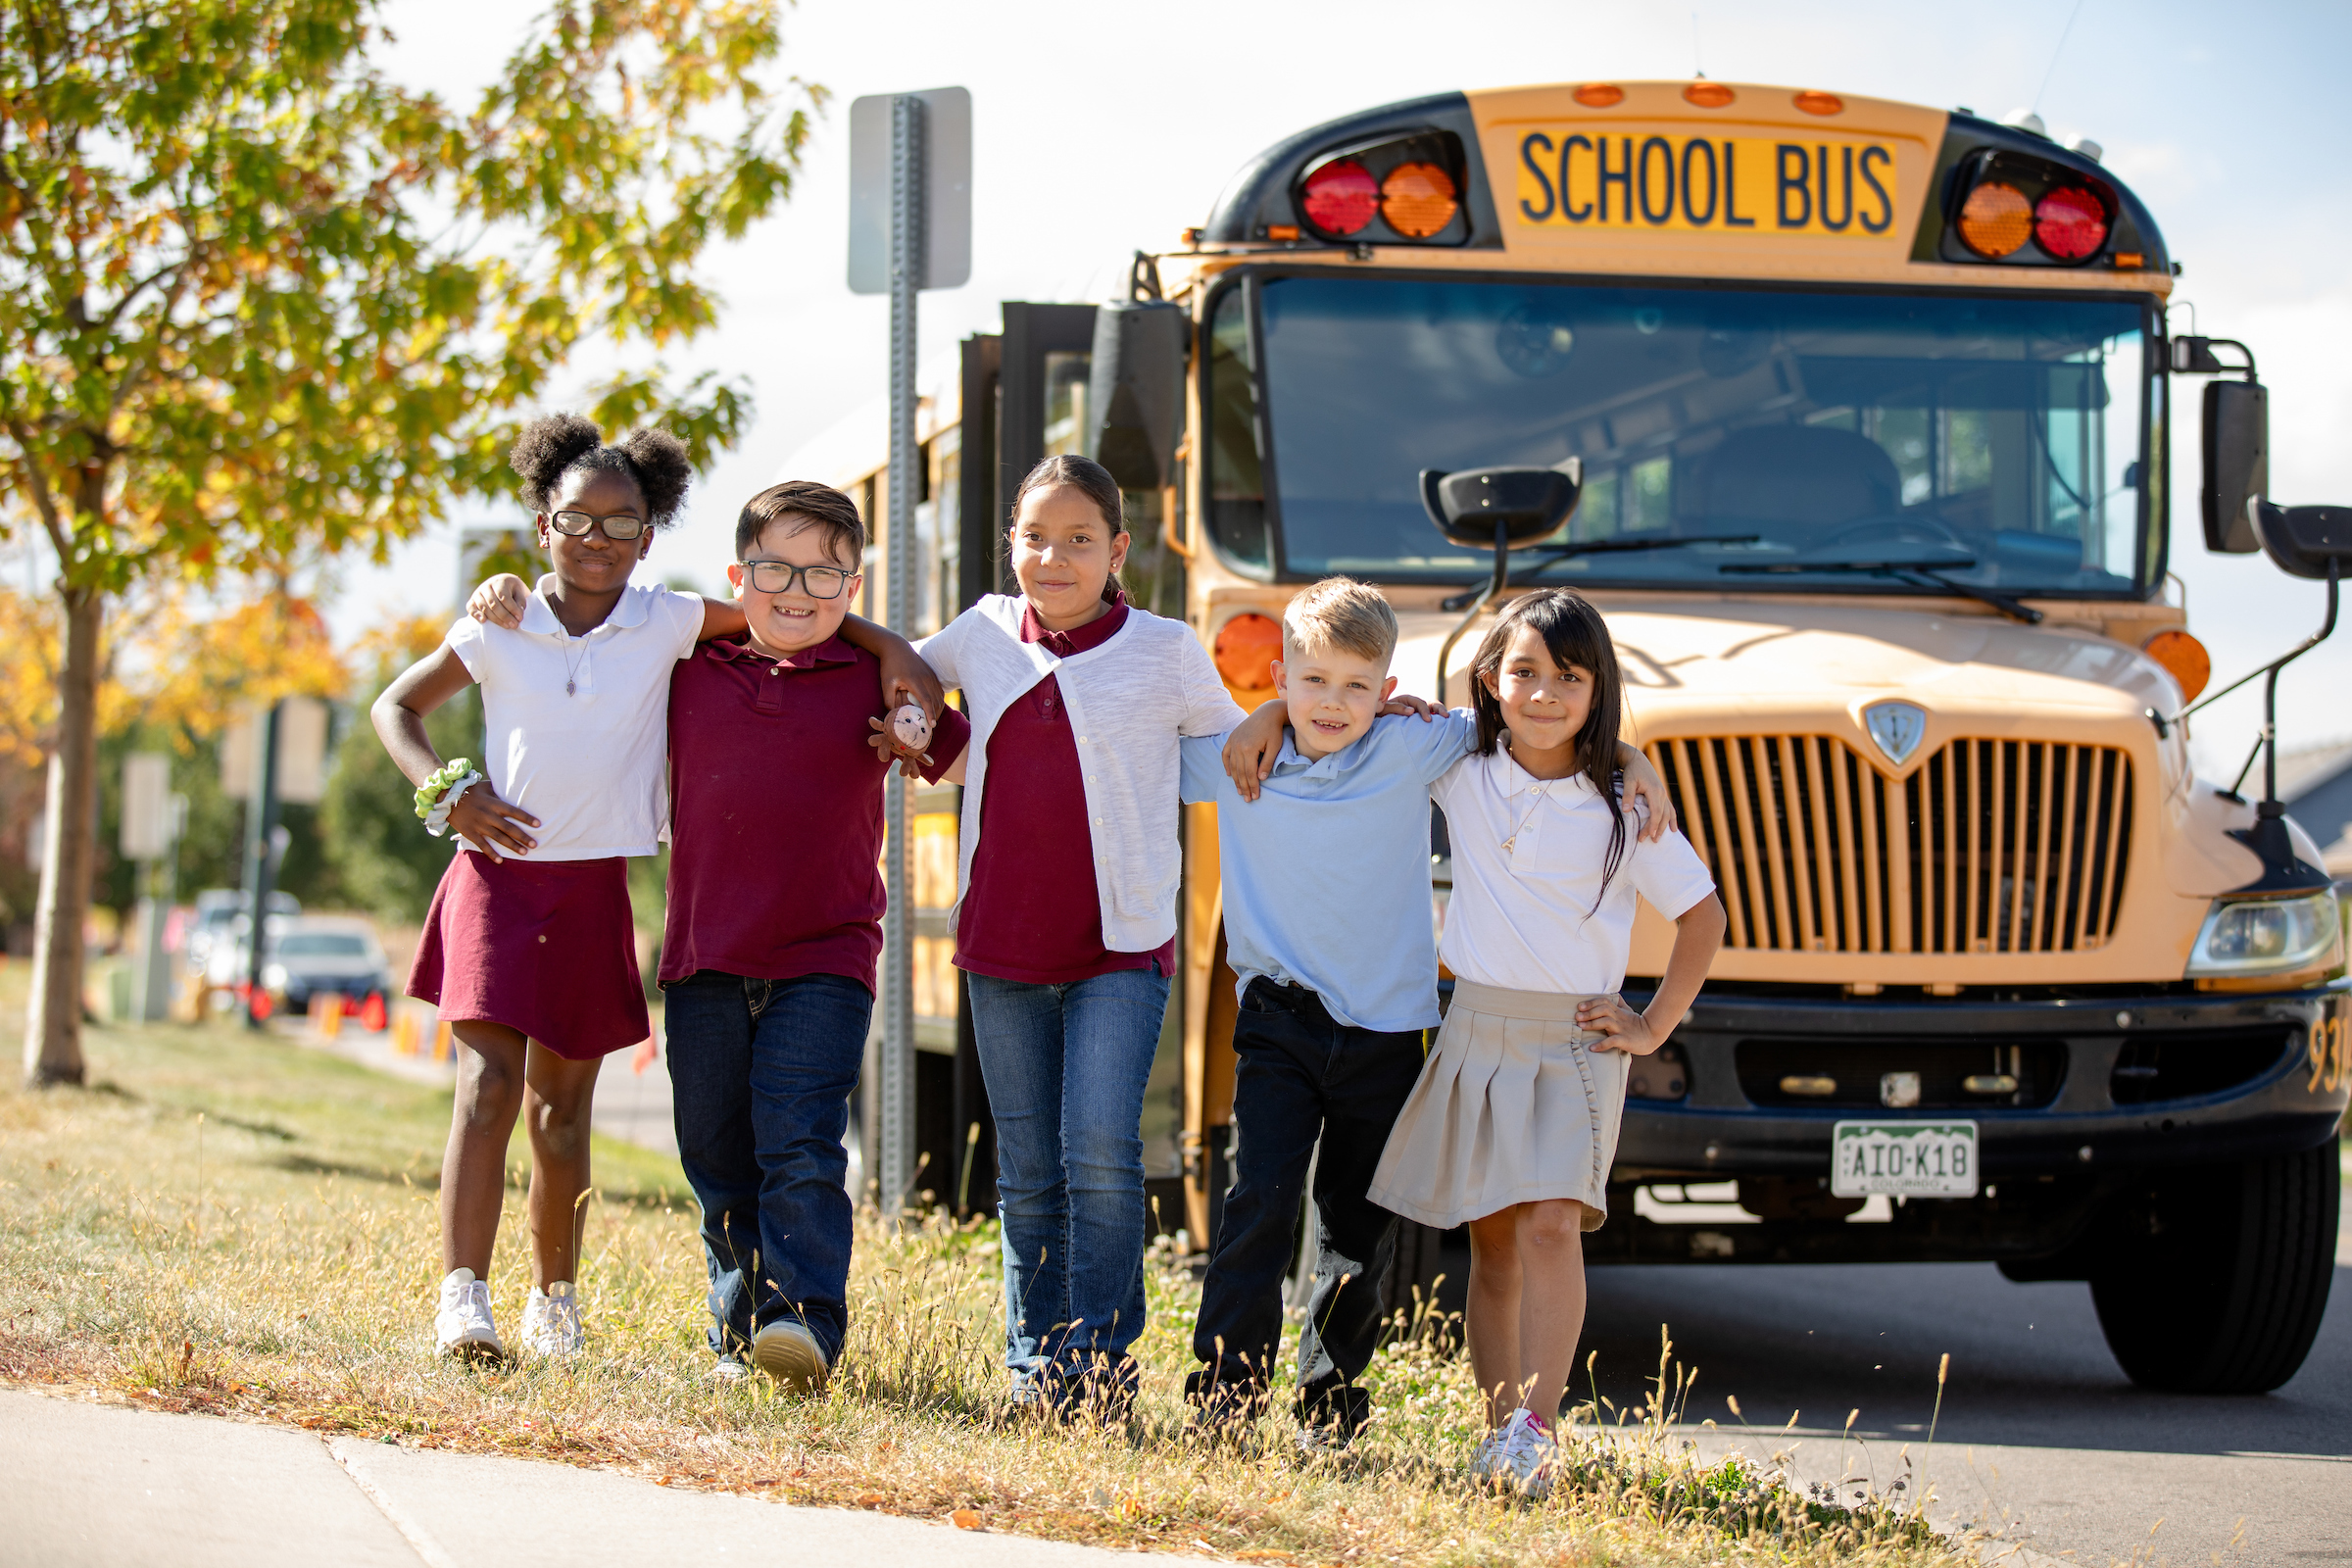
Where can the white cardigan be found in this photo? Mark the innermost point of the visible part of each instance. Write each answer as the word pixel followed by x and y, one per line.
pixel 1130 701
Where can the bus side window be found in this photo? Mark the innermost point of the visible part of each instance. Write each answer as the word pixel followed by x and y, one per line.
pixel 1237 486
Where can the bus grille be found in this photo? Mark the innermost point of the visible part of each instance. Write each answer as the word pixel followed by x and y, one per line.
pixel 1989 847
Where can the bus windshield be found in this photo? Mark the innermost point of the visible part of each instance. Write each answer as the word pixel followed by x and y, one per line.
pixel 1798 440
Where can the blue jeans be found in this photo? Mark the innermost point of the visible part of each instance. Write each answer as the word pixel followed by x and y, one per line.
pixel 1065 1066
pixel 760 1073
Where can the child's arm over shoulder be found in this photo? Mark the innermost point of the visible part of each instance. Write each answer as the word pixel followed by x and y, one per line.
pixel 906 677
pixel 1250 751
pixel 942 648
pixel 1645 786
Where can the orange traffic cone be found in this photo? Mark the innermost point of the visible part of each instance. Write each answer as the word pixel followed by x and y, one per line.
pixel 371 1012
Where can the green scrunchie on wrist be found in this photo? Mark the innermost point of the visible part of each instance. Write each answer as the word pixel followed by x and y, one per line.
pixel 429 793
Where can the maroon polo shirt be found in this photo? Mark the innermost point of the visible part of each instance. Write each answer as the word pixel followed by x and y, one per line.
pixel 775 812
pixel 1032 911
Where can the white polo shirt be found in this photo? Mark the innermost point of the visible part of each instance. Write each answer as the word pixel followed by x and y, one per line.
pixel 590 763
pixel 1524 918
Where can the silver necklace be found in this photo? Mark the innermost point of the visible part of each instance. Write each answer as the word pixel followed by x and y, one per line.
pixel 1542 790
pixel 572 671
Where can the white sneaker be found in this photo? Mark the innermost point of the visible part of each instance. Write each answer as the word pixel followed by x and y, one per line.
pixel 463 1326
pixel 1525 1457
pixel 1486 1463
pixel 551 1322
pixel 790 1353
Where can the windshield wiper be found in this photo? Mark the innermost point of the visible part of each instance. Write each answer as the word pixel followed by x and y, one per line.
pixel 1912 571
pixel 1598 547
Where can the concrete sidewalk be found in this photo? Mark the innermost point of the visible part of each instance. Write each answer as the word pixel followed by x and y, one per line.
pixel 84 1483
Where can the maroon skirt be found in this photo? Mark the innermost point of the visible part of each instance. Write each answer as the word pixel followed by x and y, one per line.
pixel 548 948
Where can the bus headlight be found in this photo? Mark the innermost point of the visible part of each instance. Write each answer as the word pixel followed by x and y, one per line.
pixel 2266 936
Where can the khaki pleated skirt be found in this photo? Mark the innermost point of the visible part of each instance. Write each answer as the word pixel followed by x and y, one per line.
pixel 1512 1106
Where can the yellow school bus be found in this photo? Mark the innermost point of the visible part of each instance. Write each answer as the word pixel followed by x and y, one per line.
pixel 1865 410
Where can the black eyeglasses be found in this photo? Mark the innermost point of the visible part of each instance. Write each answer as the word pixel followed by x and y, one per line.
pixel 775 577
pixel 621 527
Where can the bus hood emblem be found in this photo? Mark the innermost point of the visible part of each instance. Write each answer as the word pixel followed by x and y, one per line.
pixel 1897 727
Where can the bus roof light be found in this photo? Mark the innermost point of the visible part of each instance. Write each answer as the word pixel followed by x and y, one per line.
pixel 1341 197
pixel 1819 103
pixel 1599 95
pixel 2069 223
pixel 1996 219
pixel 1418 200
pixel 1708 94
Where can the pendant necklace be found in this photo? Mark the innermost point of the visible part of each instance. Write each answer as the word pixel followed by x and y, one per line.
pixel 572 671
pixel 1542 792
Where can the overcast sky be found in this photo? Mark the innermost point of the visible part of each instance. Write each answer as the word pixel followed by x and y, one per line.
pixel 1101 129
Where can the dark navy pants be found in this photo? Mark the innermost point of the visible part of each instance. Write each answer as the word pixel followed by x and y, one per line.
pixel 1303 1074
pixel 761 1074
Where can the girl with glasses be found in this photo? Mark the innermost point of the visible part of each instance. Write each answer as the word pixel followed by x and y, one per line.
pixel 530 950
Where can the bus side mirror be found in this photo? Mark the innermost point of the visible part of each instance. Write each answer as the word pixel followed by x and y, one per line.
pixel 2304 541
pixel 1135 391
pixel 2237 462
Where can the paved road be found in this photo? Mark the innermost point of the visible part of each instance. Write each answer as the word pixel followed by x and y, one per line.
pixel 632 1106
pixel 2041 1438
pixel 82 1484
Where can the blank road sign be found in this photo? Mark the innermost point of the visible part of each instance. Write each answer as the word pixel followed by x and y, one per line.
pixel 146 805
pixel 946 190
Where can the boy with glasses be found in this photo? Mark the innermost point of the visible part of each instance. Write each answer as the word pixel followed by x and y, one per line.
pixel 775 927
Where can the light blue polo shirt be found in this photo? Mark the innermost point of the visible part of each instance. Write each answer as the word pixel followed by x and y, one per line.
pixel 1327 872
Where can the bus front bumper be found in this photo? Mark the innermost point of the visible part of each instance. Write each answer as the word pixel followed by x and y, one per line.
pixel 2265 1074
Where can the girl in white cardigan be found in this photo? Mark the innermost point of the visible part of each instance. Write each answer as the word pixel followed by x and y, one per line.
pixel 1066 916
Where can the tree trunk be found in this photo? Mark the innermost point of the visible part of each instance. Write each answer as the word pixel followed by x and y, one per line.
pixel 53 1012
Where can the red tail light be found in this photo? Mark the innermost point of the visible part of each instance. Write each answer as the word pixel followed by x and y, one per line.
pixel 2069 223
pixel 1341 197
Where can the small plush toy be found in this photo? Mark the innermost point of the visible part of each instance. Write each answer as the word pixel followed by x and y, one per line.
pixel 911 730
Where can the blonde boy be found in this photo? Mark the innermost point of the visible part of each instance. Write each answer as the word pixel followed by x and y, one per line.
pixel 1327 924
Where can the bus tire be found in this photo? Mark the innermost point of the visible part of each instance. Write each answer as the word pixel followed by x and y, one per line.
pixel 2227 1296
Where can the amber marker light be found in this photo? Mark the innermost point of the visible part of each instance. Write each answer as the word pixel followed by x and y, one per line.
pixel 1819 103
pixel 1599 95
pixel 1246 647
pixel 1418 200
pixel 1708 94
pixel 2183 658
pixel 1996 219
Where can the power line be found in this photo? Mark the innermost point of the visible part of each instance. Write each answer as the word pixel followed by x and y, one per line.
pixel 2054 54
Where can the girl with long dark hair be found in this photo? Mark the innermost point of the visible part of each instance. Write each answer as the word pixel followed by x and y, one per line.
pixel 1513 1124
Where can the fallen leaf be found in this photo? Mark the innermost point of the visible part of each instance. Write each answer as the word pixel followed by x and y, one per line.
pixel 966 1519
pixel 661 1481
pixel 872 1499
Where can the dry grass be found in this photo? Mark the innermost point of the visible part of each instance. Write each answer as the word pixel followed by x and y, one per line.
pixel 243 1227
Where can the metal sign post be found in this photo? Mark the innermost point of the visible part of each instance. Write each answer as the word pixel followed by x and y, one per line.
pixel 929 246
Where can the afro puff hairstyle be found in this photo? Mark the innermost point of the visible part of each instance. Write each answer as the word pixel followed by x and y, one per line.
pixel 549 448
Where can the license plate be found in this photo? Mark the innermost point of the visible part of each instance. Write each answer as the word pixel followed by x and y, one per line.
pixel 1904 1158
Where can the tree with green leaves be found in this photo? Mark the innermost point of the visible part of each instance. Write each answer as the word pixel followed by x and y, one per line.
pixel 257 299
